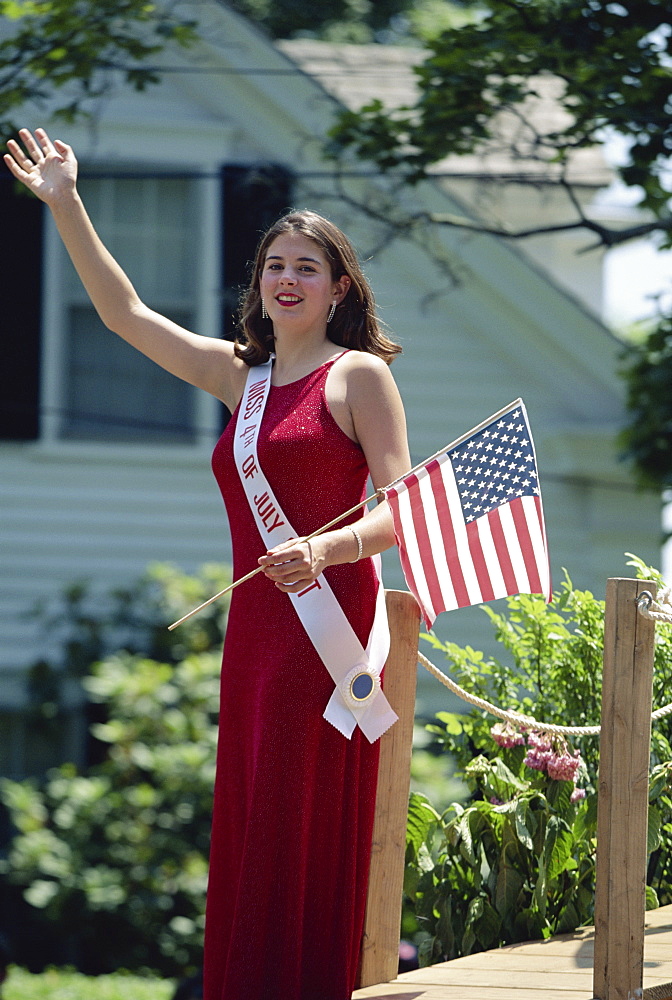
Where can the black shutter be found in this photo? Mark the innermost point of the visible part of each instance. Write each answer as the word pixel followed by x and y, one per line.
pixel 254 197
pixel 21 219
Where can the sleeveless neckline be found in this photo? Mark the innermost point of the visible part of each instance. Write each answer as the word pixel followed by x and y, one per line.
pixel 332 361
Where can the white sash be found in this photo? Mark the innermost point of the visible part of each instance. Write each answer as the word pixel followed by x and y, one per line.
pixel 354 670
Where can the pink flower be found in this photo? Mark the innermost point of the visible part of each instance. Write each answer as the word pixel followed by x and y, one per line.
pixel 506 736
pixel 538 758
pixel 551 755
pixel 563 767
pixel 577 795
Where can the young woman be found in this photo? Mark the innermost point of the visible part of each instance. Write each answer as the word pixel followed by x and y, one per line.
pixel 315 412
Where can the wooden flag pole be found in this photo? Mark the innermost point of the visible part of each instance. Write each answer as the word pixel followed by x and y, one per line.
pixel 248 576
pixel 378 494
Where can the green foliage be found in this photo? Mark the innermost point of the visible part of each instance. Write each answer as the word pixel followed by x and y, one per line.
pixel 553 671
pixel 355 21
pixel 57 984
pixel 86 626
pixel 516 862
pixel 611 64
pixel 485 84
pixel 64 49
pixel 502 869
pixel 432 773
pixel 647 441
pixel 119 854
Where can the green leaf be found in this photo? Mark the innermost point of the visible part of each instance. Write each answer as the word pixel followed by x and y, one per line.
pixel 487 927
pixel 558 847
pixel 422 820
pixel 508 887
pixel 41 893
pixel 474 913
pixel 426 950
pixel 522 818
pixel 653 829
pixel 540 894
pixel 659 780
pixel 568 919
pixel 463 830
pixel 444 925
pixel 452 722
pixel 652 902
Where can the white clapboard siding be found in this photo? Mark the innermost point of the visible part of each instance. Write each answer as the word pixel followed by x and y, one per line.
pixel 66 517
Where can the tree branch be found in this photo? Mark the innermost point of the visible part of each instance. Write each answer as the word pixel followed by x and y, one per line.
pixel 608 237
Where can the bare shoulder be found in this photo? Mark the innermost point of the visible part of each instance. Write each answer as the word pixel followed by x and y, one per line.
pixel 361 361
pixel 366 404
pixel 377 414
pixel 363 373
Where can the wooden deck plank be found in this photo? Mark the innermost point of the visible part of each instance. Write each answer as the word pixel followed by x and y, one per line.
pixel 557 969
pixel 485 978
pixel 407 991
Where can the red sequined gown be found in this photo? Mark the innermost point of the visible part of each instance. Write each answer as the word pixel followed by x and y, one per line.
pixel 294 799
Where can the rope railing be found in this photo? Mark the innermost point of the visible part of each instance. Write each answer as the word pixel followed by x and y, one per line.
pixel 646 607
pixel 655 609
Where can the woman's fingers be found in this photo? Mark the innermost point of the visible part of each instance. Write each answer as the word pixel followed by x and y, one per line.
pixel 289 565
pixel 18 156
pixel 281 567
pixel 44 143
pixel 31 144
pixel 36 148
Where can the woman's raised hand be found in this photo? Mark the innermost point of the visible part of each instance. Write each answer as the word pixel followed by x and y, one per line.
pixel 48 169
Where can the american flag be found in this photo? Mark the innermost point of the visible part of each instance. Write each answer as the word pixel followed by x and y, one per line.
pixel 469 522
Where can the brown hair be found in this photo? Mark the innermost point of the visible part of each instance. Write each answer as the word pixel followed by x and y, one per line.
pixel 354 325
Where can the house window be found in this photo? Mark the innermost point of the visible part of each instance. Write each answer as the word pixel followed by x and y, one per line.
pixel 108 390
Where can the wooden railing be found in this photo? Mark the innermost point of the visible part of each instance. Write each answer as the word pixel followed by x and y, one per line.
pixel 380 942
pixel 623 793
pixel 622 796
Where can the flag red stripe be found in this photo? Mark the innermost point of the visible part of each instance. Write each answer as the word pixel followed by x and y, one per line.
pixel 526 546
pixel 448 535
pixel 399 530
pixel 425 545
pixel 480 565
pixel 502 550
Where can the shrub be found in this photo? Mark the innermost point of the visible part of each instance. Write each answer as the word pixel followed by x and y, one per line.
pixel 113 862
pixel 516 862
pixel 57 984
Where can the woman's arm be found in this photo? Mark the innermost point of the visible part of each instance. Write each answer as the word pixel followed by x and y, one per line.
pixel 371 398
pixel 49 170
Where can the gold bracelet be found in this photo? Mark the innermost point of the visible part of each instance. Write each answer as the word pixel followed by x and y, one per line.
pixel 360 547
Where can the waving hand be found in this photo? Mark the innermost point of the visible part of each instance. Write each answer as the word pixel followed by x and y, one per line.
pixel 47 168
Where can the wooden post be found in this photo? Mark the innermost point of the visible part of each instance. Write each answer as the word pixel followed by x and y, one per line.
pixel 380 941
pixel 622 810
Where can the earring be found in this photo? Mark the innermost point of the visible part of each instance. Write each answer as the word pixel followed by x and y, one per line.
pixel 264 314
pixel 331 312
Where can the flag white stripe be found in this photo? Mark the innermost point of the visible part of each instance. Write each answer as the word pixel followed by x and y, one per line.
pixel 461 541
pixel 538 541
pixel 499 588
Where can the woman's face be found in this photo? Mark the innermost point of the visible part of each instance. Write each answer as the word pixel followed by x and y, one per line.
pixel 297 285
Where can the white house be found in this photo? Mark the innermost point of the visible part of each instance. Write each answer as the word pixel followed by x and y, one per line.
pixel 105 459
